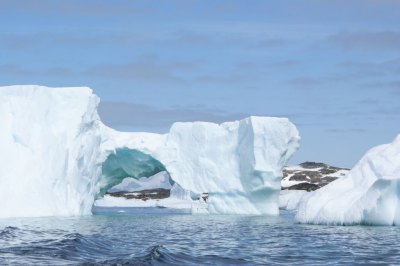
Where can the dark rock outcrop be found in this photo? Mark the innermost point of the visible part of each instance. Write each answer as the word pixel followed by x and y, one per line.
pixel 304 186
pixel 312 176
pixel 159 193
pixel 313 165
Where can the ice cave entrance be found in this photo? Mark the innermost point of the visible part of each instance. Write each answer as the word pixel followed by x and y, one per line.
pixel 127 162
pixel 135 182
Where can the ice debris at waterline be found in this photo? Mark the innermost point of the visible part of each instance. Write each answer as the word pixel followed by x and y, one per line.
pixel 369 194
pixel 58 157
pixel 149 192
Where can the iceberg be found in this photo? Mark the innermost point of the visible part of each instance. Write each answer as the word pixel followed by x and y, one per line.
pixel 369 194
pixel 58 157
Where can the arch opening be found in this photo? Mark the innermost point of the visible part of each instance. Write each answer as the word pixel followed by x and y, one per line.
pixel 133 180
pixel 125 163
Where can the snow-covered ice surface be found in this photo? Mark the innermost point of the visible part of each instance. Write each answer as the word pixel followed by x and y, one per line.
pixel 58 156
pixel 369 194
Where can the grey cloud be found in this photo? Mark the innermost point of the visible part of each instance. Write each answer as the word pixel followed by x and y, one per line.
pixel 346 130
pixel 389 110
pixel 145 68
pixel 366 40
pixel 122 115
pixel 14 70
pixel 134 71
pixel 242 72
pixel 271 42
pixel 215 39
pixel 79 38
pixel 97 37
pixel 285 64
pixel 72 7
pixel 393 85
pixel 354 113
pixel 376 113
pixel 60 71
pixel 379 68
pixel 305 81
pixel 149 68
pixel 223 78
pixel 225 37
pixel 390 86
pixel 18 41
pixel 99 8
pixel 190 37
pixel 312 124
pixel 369 3
pixel 369 101
pixel 21 71
pixel 352 71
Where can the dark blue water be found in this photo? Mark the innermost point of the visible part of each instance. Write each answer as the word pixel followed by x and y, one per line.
pixel 158 239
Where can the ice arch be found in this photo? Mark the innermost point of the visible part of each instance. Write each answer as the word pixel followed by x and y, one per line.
pixel 238 163
pixel 54 150
pixel 124 163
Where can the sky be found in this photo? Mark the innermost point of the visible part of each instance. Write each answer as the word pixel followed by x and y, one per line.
pixel 331 67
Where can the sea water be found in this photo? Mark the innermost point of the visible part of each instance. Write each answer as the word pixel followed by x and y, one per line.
pixel 179 239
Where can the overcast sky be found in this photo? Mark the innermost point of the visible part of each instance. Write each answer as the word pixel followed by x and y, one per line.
pixel 331 67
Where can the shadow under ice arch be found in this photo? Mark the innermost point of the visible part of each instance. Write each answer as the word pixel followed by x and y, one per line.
pixel 126 162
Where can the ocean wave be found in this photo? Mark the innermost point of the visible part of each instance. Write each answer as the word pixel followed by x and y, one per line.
pixel 78 249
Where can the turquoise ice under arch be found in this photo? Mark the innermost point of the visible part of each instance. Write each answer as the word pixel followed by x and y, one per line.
pixel 127 162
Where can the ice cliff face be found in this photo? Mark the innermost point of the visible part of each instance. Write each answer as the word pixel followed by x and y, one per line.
pixel 58 157
pixel 50 141
pixel 369 194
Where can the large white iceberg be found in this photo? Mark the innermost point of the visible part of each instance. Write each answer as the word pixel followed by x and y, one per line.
pixel 58 157
pixel 369 194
